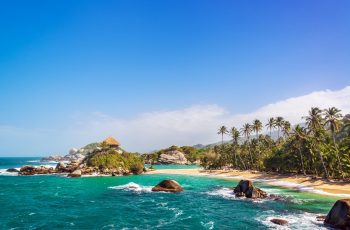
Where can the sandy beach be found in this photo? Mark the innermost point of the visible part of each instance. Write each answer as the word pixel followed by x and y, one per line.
pixel 298 182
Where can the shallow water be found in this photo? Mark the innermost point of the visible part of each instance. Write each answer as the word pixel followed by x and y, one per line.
pixel 57 202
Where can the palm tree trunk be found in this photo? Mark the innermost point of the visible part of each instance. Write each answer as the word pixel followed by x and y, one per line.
pixel 338 157
pixel 302 161
pixel 234 154
pixel 250 154
pixel 323 164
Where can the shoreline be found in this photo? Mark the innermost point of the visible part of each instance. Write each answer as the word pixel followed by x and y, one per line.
pixel 297 182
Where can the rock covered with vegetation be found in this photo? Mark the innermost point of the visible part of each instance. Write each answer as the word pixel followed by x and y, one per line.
pixel 100 159
pixel 175 155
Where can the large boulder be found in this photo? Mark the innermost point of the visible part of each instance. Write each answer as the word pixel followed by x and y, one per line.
pixel 60 167
pixel 75 173
pixel 167 186
pixel 173 157
pixel 247 189
pixel 339 215
pixel 279 221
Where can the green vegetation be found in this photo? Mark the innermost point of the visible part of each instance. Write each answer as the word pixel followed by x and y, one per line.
pixel 111 159
pixel 321 147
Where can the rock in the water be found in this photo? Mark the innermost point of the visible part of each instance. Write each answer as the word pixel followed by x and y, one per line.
pixel 32 170
pixel 339 215
pixel 167 186
pixel 279 221
pixel 60 167
pixel 247 189
pixel 27 170
pixel 173 157
pixel 76 173
pixel 12 170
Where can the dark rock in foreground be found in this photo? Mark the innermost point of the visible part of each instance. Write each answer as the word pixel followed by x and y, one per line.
pixel 168 186
pixel 247 189
pixel 339 215
pixel 12 170
pixel 279 221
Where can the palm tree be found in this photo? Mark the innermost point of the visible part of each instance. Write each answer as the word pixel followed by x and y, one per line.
pixel 299 134
pixel 314 125
pixel 279 124
pixel 286 127
pixel 246 131
pixel 332 121
pixel 271 124
pixel 222 130
pixel 235 136
pixel 257 127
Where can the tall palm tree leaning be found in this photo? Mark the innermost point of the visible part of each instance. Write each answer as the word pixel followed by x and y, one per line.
pixel 246 131
pixel 222 131
pixel 299 134
pixel 271 125
pixel 286 127
pixel 279 124
pixel 257 127
pixel 332 121
pixel 235 136
pixel 314 125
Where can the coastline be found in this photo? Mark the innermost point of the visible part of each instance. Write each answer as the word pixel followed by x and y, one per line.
pixel 297 182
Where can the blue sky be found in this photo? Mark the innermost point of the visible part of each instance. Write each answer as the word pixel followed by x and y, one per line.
pixel 64 62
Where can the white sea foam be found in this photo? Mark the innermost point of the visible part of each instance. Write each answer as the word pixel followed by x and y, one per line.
pixel 3 172
pixel 295 221
pixel 222 192
pixel 304 188
pixel 209 225
pixel 133 187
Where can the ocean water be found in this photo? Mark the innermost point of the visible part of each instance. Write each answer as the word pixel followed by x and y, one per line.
pixel 58 202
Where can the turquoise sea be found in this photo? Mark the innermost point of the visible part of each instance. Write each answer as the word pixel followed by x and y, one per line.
pixel 58 202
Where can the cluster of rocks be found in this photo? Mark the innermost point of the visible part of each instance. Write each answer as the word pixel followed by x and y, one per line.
pixel 73 169
pixel 173 157
pixel 245 188
pixel 32 170
pixel 73 155
pixel 168 157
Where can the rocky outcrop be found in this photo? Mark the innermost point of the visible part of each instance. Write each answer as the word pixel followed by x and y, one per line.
pixel 75 173
pixel 279 221
pixel 12 170
pixel 60 167
pixel 339 215
pixel 55 158
pixel 247 189
pixel 173 157
pixel 168 186
pixel 32 170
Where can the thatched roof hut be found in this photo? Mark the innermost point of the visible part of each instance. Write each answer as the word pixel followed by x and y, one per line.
pixel 111 142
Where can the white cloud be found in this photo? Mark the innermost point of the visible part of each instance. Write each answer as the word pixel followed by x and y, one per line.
pixel 155 130
pixel 198 124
